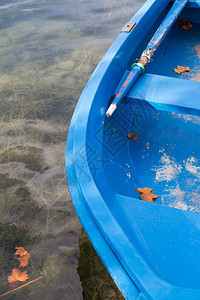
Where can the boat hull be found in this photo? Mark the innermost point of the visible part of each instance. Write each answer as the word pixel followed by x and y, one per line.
pixel 152 250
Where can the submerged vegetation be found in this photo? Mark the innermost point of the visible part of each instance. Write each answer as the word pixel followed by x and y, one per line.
pixel 45 62
pixel 35 208
pixel 96 281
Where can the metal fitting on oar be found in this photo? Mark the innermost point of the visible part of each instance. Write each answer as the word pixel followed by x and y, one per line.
pixel 146 55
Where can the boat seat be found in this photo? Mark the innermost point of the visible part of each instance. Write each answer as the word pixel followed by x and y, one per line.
pixel 168 239
pixel 168 93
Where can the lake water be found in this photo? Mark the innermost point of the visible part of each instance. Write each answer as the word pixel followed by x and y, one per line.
pixel 48 50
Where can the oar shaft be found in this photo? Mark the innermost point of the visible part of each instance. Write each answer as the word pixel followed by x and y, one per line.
pixel 164 28
pixel 139 67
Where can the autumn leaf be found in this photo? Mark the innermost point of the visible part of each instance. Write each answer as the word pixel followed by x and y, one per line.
pixel 21 251
pixel 17 275
pixel 146 195
pixel 181 69
pixel 24 256
pixel 154 196
pixel 185 25
pixel 132 136
pixel 144 190
pixel 23 260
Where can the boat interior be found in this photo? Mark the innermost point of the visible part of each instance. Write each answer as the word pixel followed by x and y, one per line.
pixel 165 156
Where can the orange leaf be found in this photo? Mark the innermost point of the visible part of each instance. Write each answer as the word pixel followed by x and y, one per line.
pixel 181 69
pixel 147 197
pixel 144 190
pixel 185 25
pixel 20 251
pixel 153 196
pixel 24 260
pixel 17 275
pixel 132 136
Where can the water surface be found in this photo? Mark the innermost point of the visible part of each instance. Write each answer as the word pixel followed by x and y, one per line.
pixel 48 51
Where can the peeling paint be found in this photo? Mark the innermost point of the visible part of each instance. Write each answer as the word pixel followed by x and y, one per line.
pixel 169 169
pixel 191 166
pixel 197 48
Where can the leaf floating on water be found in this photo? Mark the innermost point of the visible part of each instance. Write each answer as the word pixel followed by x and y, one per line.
pixel 21 251
pixel 17 275
pixel 24 260
pixel 181 69
pixel 185 25
pixel 146 195
pixel 24 256
pixel 132 136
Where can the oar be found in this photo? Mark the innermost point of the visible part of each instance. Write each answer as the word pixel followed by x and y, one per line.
pixel 139 68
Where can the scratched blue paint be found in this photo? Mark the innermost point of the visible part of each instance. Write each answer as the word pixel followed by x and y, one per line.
pixel 136 71
pixel 167 23
pixel 152 251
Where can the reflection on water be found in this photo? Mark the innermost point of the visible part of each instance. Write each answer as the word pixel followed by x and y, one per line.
pixel 48 50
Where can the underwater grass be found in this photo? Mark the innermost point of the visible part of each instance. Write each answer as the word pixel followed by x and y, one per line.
pixel 96 281
pixel 35 208
pixel 42 74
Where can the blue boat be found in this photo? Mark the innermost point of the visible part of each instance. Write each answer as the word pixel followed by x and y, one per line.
pixel 151 250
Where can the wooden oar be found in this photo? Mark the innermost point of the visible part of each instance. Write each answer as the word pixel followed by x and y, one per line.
pixel 139 68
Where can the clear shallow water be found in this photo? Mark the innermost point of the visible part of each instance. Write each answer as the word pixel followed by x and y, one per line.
pixel 48 51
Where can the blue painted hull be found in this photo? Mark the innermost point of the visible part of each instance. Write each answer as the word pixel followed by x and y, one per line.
pixel 152 250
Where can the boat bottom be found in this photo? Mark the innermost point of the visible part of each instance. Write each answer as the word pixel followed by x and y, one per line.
pixel 164 157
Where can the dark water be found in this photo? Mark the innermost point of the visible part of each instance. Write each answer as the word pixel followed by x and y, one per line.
pixel 48 50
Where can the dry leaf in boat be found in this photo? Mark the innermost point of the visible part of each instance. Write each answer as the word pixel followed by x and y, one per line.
pixel 21 251
pixel 181 69
pixel 24 260
pixel 144 190
pixel 185 25
pixel 132 136
pixel 146 195
pixel 154 196
pixel 17 275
